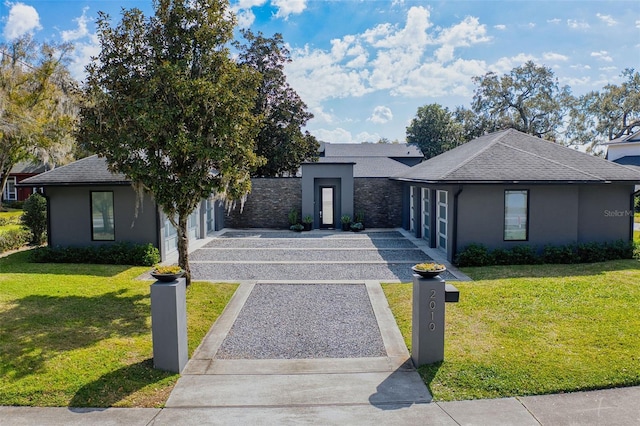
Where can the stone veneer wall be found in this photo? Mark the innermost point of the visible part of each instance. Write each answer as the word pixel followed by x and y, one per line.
pixel 271 199
pixel 381 201
pixel 268 204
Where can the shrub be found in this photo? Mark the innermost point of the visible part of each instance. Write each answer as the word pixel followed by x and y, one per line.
pixel 35 217
pixel 474 255
pixel 293 217
pixel 619 250
pixel 112 254
pixel 560 254
pixel 524 255
pixel 14 239
pixel 478 255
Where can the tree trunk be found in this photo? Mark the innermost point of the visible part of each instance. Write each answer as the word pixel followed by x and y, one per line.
pixel 183 246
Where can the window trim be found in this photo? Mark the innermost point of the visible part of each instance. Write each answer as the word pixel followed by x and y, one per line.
pixel 11 195
pixel 93 232
pixel 504 216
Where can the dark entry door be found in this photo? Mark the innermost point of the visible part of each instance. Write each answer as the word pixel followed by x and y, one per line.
pixel 327 206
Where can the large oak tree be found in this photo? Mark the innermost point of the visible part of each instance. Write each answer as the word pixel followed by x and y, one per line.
pixel 600 116
pixel 528 98
pixel 38 105
pixel 281 140
pixel 170 109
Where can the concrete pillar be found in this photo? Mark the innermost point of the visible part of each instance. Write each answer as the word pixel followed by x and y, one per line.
pixel 169 325
pixel 427 339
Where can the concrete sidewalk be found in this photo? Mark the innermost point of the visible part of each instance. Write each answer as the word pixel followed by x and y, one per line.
pixel 603 407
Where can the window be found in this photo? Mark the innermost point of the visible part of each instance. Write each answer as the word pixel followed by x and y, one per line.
pixel 516 215
pixel 10 190
pixel 442 220
pixel 426 214
pixel 102 223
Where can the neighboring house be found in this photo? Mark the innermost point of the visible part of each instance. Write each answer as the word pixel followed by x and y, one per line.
pixel 18 173
pixel 509 188
pixel 625 150
pixel 346 179
pixel 89 205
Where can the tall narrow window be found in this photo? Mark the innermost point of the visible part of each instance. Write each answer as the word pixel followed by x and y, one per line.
pixel 10 190
pixel 443 206
pixel 102 223
pixel 426 214
pixel 516 215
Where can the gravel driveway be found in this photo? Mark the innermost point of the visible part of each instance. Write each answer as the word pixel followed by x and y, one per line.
pixel 316 255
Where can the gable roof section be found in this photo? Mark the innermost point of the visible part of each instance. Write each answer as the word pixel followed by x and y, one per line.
pixel 87 171
pixel 369 166
pixel 26 167
pixel 391 150
pixel 634 137
pixel 513 156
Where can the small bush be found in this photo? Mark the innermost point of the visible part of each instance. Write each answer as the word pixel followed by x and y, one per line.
pixel 560 254
pixel 478 255
pixel 14 239
pixel 111 254
pixel 35 217
pixel 524 255
pixel 474 255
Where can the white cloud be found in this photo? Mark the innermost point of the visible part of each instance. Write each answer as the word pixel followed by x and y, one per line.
pixel 338 135
pixel 245 18
pixel 554 21
pixel 611 68
pixel 289 7
pixel 381 114
pixel 464 34
pixel 81 31
pixel 602 55
pixel 82 54
pixel 577 25
pixel 607 19
pixel 22 19
pixel 500 27
pixel 366 137
pixel 506 64
pixel 638 23
pixel 551 56
pixel 580 67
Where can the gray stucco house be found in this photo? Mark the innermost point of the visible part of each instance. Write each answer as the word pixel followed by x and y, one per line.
pixel 509 188
pixel 89 205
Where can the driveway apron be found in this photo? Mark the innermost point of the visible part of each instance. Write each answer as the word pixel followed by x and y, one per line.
pixel 308 337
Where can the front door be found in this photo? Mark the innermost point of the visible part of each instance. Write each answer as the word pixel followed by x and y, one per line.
pixel 327 207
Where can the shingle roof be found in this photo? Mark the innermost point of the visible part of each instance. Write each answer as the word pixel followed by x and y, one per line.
pixel 369 166
pixel 87 171
pixel 513 156
pixel 28 167
pixel 397 150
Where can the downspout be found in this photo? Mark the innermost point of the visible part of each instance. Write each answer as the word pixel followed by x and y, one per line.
pixel 454 246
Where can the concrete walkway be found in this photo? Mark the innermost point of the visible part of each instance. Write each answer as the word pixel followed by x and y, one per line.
pixel 375 390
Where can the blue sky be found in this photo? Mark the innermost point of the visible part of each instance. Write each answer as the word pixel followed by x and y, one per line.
pixel 364 67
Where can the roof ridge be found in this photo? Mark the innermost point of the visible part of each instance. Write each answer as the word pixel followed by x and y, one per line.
pixel 472 157
pixel 554 161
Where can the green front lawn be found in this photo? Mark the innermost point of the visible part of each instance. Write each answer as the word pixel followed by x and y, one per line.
pixel 529 330
pixel 79 335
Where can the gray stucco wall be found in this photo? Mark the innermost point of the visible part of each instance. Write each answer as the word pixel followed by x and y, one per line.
pixel 605 213
pixel 70 216
pixel 268 204
pixel 381 201
pixel 558 214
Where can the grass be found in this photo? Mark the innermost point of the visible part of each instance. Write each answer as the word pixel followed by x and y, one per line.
pixel 13 219
pixel 79 335
pixel 531 330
